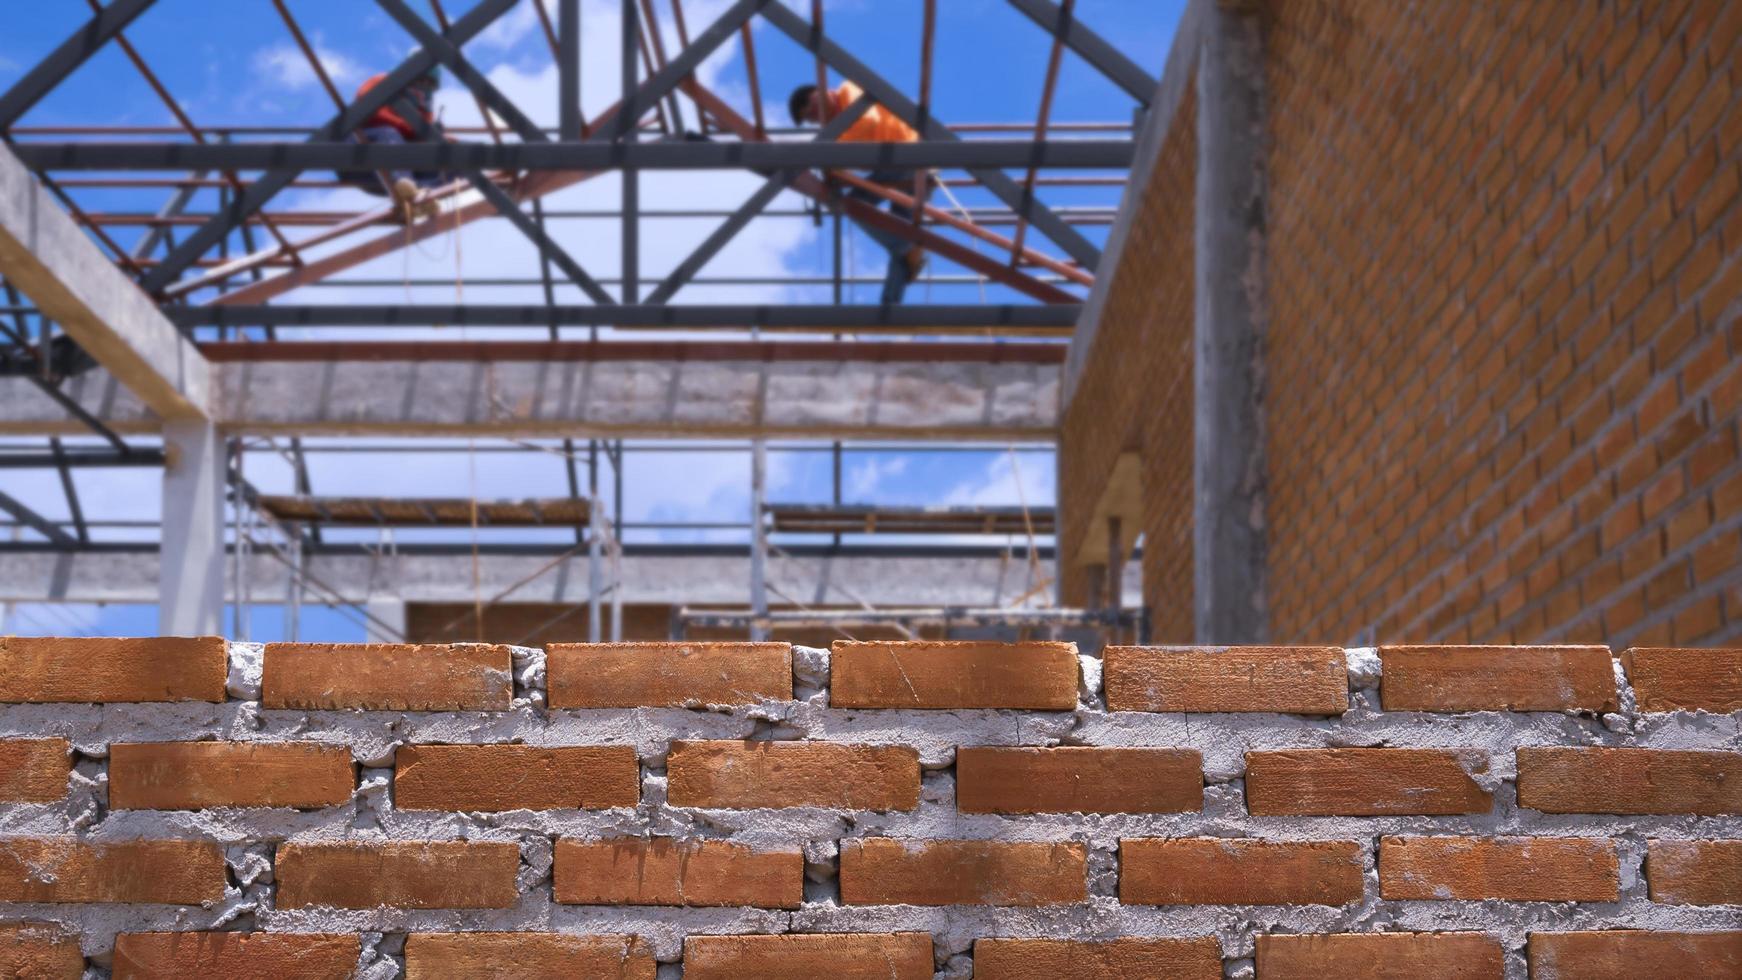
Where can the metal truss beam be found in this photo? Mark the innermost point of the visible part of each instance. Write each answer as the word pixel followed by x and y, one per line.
pixel 826 317
pixel 263 189
pixel 764 195
pixel 1092 47
pixel 547 247
pixel 449 54
pixel 36 522
pixel 879 88
pixel 66 59
pixel 982 157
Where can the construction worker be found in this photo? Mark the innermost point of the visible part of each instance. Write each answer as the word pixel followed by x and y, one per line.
pixel 409 118
pixel 877 125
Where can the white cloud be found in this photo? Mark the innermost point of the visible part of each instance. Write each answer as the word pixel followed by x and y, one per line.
pixel 1006 481
pixel 287 67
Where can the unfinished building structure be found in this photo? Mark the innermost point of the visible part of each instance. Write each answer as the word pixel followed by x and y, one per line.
pixel 1418 321
pixel 207 346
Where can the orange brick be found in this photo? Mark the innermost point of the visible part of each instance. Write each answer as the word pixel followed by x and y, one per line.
pixel 1637 781
pixel 493 778
pixel 631 675
pixel 387 676
pixel 1685 680
pixel 34 770
pixel 887 871
pixel 1077 779
pixel 750 775
pixel 96 669
pixel 1519 869
pixel 39 951
pixel 63 869
pixel 953 674
pixel 1627 954
pixel 1365 782
pixel 807 956
pixel 1422 678
pixel 194 775
pixel 1292 680
pixel 1116 959
pixel 1381 956
pixel 1235 871
pixel 526 956
pixel 398 874
pixel 665 871
pixel 235 955
pixel 1695 872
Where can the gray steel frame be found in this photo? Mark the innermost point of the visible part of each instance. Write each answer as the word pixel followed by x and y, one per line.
pixel 975 156
pixel 478 314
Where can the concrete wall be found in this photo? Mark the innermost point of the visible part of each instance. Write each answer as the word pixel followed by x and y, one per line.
pixel 1319 808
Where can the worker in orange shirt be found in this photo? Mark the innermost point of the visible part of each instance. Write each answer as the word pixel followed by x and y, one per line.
pixel 409 118
pixel 877 125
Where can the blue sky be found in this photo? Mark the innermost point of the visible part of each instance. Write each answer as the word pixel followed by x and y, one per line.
pixel 232 63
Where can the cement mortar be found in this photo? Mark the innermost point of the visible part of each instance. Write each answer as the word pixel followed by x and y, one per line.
pixel 250 835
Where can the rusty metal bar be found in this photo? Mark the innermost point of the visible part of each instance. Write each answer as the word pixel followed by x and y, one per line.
pixel 1046 93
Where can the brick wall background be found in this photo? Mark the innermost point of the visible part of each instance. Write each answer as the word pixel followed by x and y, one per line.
pixel 1136 391
pixel 174 808
pixel 1504 359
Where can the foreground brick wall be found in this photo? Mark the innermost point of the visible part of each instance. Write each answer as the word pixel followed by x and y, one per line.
pixel 642 809
pixel 1135 394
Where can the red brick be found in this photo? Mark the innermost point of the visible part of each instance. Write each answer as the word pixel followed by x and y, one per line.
pixel 526 956
pixel 398 874
pixel 887 871
pixel 96 669
pixel 1631 781
pixel 195 775
pixel 64 870
pixel 39 951
pixel 1365 782
pixel 235 955
pixel 1628 954
pixel 1443 678
pixel 1292 680
pixel 953 674
pixel 1077 779
pixel 1695 872
pixel 1685 680
pixel 631 675
pixel 1235 871
pixel 387 676
pixel 34 770
pixel 807 956
pixel 1114 959
pixel 493 778
pixel 1381 956
pixel 1519 869
pixel 755 774
pixel 666 871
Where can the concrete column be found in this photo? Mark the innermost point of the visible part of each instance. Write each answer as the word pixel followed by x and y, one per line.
pixel 1228 372
pixel 386 619
pixel 758 536
pixel 191 571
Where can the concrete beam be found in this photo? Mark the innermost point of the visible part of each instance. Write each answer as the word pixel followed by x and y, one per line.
pixel 674 579
pixel 636 399
pixel 53 261
pixel 1228 467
